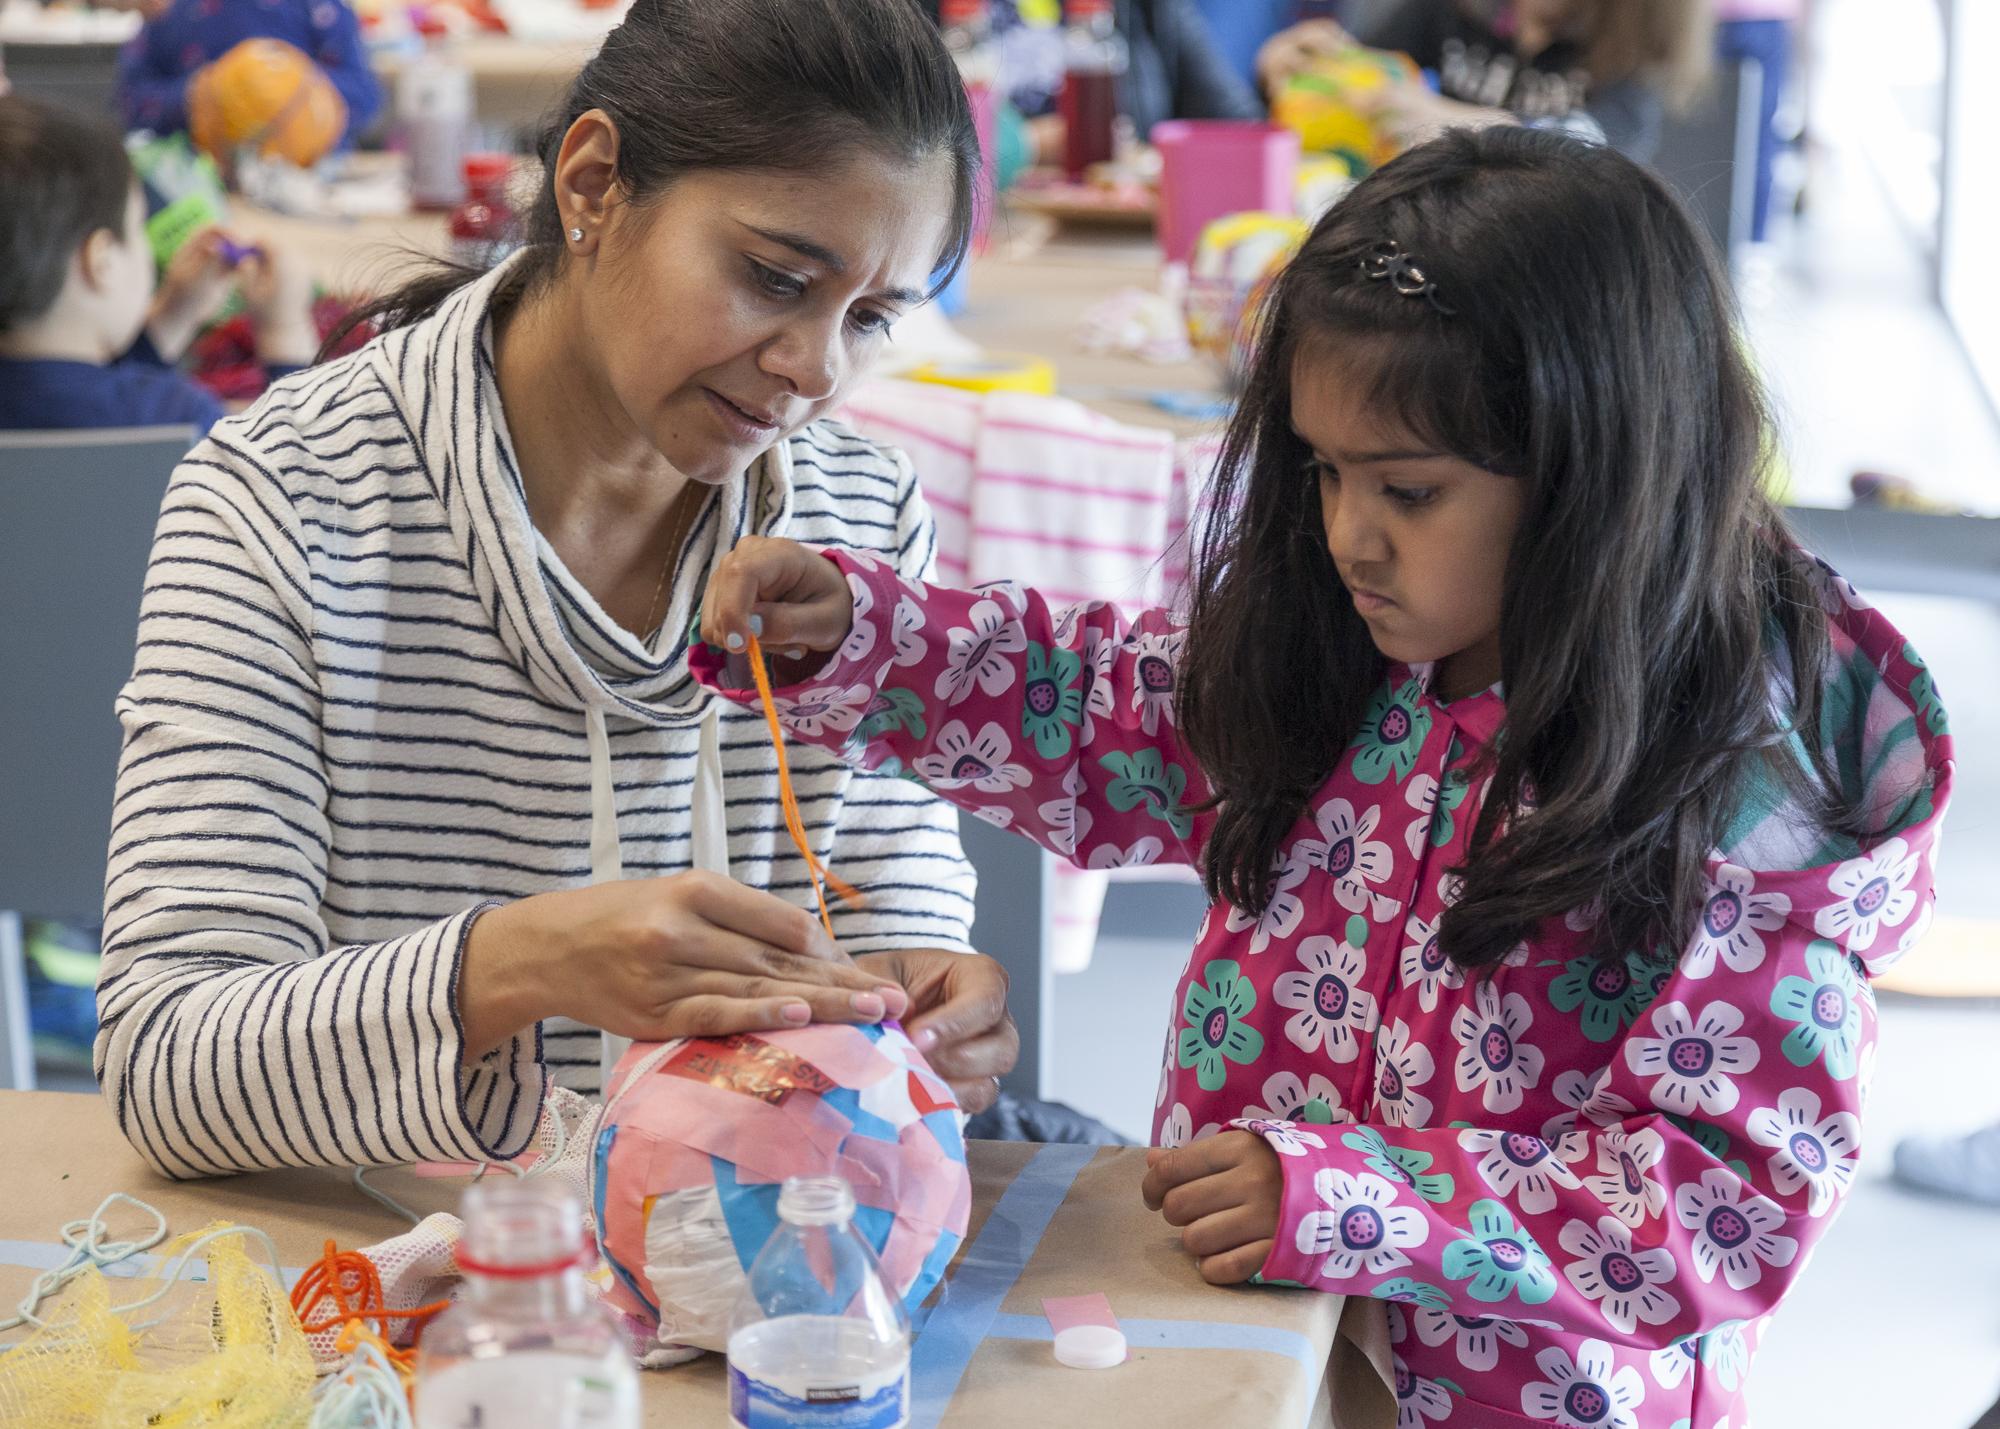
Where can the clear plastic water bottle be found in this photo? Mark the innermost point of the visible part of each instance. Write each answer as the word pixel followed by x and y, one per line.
pixel 818 1341
pixel 527 1346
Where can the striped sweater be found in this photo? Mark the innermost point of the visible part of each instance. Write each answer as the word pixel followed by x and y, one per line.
pixel 369 701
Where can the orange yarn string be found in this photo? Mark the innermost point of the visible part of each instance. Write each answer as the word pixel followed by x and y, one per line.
pixel 794 820
pixel 349 1279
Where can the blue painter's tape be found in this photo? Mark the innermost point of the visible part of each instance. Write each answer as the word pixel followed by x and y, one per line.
pixel 1184 1335
pixel 991 1265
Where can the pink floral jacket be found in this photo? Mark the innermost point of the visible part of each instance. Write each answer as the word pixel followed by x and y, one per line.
pixel 1582 1183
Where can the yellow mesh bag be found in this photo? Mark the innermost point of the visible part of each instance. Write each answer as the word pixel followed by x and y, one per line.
pixel 225 1353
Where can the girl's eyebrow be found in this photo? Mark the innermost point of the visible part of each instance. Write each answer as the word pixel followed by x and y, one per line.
pixel 1369 458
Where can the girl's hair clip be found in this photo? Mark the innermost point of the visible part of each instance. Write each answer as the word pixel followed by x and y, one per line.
pixel 1387 260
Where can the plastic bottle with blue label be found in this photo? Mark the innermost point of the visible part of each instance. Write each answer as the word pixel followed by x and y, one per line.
pixel 818 1341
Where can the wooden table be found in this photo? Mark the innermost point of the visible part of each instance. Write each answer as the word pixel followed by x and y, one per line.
pixel 1200 1355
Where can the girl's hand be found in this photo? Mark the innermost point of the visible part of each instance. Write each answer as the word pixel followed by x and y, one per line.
pixel 1296 50
pixel 192 290
pixel 278 292
pixel 958 1017
pixel 790 597
pixel 1225 1192
pixel 689 955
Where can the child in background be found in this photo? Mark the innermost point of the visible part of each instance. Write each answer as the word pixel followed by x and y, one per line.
pixel 1556 809
pixel 1600 69
pixel 86 336
pixel 182 37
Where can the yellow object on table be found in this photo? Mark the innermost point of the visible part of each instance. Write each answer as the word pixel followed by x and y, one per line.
pixel 1319 105
pixel 1046 1221
pixel 996 372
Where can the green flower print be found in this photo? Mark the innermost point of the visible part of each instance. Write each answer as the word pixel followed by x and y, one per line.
pixel 1500 1259
pixel 1400 1163
pixel 1924 690
pixel 1611 994
pixel 1726 1354
pixel 1826 1009
pixel 1452 790
pixel 1053 698
pixel 890 709
pixel 1146 778
pixel 1392 732
pixel 1215 1028
pixel 1712 1139
pixel 1405 1291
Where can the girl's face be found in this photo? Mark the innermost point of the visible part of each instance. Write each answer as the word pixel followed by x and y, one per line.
pixel 1419 538
pixel 738 306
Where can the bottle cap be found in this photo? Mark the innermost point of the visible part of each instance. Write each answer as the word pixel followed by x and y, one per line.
pixel 1090 1347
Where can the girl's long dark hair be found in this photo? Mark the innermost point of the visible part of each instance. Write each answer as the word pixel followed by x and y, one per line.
pixel 1655 605
pixel 784 86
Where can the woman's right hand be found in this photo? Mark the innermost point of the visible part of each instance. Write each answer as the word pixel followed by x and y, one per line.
pixel 689 955
pixel 789 596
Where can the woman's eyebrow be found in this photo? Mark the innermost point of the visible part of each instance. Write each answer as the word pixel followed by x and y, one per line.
pixel 828 259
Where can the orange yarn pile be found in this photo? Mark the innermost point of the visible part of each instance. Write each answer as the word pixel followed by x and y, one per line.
pixel 348 1279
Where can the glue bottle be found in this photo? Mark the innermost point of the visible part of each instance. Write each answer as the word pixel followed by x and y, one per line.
pixel 818 1338
pixel 527 1345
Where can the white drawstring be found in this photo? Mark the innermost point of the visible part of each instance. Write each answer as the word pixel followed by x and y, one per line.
pixel 606 866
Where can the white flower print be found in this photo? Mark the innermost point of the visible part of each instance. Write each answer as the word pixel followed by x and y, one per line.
pixel 963 759
pixel 1874 893
pixel 1142 854
pixel 1286 1098
pixel 1671 1365
pixel 1582 920
pixel 1100 653
pixel 1525 1167
pixel 1627 1281
pixel 1733 922
pixel 1589 1098
pixel 976 656
pixel 1281 917
pixel 1424 966
pixel 1330 1007
pixel 1344 850
pixel 906 628
pixel 1914 934
pixel 1491 1055
pixel 1810 1151
pixel 861 634
pixel 1067 821
pixel 1402 1064
pixel 1695 1058
pixel 1734 1232
pixel 1475 1339
pixel 1166 1076
pixel 1625 1183
pixel 1154 659
pixel 1362 1230
pixel 816 711
pixel 1864 1077
pixel 1178 1128
pixel 1451 888
pixel 1422 794
pixel 1589 1392
pixel 1283 1137
pixel 1069 618
pixel 1420 1402
pixel 998 815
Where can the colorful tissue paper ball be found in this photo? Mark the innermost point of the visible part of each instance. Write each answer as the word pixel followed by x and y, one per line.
pixel 1234 261
pixel 269 97
pixel 1318 104
pixel 697 1137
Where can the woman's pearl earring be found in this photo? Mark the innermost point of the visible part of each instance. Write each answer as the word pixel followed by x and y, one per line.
pixel 576 235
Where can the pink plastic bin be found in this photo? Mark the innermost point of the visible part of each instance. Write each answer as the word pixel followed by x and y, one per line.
pixel 1213 167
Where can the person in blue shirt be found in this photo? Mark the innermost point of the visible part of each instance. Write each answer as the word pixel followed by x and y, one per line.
pixel 182 36
pixel 86 333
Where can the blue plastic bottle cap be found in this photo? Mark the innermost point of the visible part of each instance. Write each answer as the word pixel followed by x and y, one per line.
pixel 1090 1347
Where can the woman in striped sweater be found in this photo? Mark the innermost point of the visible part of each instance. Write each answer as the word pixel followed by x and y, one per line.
pixel 417 794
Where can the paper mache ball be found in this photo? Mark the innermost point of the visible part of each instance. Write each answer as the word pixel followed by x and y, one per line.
pixel 267 96
pixel 697 1137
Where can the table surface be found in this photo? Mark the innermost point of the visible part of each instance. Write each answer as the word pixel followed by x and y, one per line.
pixel 69 1156
pixel 1026 294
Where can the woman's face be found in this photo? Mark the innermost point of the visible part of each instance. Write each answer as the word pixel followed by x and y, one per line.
pixel 1420 539
pixel 738 306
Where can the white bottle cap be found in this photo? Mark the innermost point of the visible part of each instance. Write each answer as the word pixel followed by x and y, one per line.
pixel 1090 1347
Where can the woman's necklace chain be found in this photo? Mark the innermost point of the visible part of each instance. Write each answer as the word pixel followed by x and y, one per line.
pixel 684 510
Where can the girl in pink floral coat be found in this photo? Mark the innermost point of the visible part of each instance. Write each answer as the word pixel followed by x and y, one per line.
pixel 1557 810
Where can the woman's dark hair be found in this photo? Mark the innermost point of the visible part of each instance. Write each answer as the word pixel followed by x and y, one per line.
pixel 63 176
pixel 1653 594
pixel 782 85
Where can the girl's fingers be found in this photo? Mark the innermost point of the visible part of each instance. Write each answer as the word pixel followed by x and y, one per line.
pixel 1236 1266
pixel 1226 1230
pixel 1191 1201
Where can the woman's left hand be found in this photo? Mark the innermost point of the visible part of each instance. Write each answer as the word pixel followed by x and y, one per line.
pixel 1224 1192
pixel 958 1016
